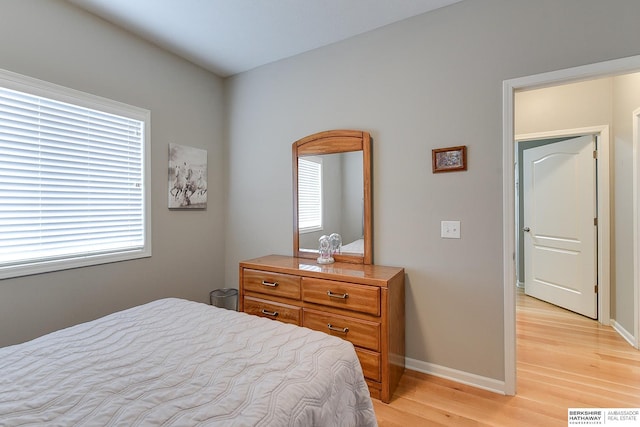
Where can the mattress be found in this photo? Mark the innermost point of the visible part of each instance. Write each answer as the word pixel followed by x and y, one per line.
pixel 356 247
pixel 173 362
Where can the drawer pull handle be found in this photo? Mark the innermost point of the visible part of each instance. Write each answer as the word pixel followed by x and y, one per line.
pixel 272 284
pixel 341 296
pixel 270 313
pixel 334 329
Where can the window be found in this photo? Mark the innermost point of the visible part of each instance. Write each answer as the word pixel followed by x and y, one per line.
pixel 309 194
pixel 73 178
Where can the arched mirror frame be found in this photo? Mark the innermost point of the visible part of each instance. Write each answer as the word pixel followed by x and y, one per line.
pixel 330 142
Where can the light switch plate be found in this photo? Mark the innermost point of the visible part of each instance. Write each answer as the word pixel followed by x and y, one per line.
pixel 450 229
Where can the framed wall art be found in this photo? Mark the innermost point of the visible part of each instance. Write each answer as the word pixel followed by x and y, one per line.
pixel 449 159
pixel 187 177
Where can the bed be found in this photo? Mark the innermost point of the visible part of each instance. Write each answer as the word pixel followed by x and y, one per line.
pixel 183 363
pixel 356 247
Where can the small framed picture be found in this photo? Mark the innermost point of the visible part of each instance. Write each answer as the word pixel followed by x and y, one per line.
pixel 449 159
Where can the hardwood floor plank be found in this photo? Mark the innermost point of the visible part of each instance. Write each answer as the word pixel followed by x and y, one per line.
pixel 569 396
pixel 564 361
pixel 464 405
pixel 622 392
pixel 409 412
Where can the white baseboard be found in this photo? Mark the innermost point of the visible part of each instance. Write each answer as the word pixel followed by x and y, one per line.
pixel 467 378
pixel 520 285
pixel 624 333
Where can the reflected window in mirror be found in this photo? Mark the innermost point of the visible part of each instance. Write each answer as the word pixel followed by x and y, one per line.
pixel 310 195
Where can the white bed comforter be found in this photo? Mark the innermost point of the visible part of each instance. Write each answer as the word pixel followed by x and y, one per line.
pixel 181 363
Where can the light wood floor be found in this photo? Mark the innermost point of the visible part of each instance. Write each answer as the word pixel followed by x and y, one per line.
pixel 564 361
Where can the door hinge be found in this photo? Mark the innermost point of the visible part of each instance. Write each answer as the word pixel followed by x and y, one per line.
pixel 595 154
pixel 595 289
pixel 595 221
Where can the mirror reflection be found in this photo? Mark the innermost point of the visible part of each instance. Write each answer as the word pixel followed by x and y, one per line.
pixel 331 200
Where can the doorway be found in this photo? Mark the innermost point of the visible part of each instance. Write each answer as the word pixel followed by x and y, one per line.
pixel 510 87
pixel 558 210
pixel 603 267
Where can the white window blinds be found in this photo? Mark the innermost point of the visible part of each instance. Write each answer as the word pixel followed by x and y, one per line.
pixel 71 184
pixel 309 194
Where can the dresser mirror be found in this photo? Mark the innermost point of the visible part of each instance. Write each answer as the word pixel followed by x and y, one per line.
pixel 332 194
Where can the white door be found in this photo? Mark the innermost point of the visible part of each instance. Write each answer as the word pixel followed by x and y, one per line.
pixel 560 231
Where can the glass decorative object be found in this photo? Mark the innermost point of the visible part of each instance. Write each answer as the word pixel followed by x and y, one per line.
pixel 335 241
pixel 324 249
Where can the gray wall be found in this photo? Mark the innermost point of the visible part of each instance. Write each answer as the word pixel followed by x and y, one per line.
pixel 352 227
pixel 626 99
pixel 427 82
pixel 54 41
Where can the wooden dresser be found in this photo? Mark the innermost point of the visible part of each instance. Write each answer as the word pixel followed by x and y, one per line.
pixel 360 303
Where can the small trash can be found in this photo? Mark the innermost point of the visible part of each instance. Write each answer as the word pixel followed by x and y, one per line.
pixel 224 298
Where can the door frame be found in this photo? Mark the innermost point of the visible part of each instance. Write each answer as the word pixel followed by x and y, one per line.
pixel 636 227
pixel 509 87
pixel 604 210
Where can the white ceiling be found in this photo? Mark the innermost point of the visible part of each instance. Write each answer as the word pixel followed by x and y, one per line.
pixel 232 36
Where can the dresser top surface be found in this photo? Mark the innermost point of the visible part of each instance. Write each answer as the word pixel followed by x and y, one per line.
pixel 338 270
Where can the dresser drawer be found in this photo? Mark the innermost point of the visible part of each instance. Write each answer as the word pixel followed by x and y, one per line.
pixel 276 284
pixel 272 310
pixel 370 362
pixel 362 298
pixel 361 333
